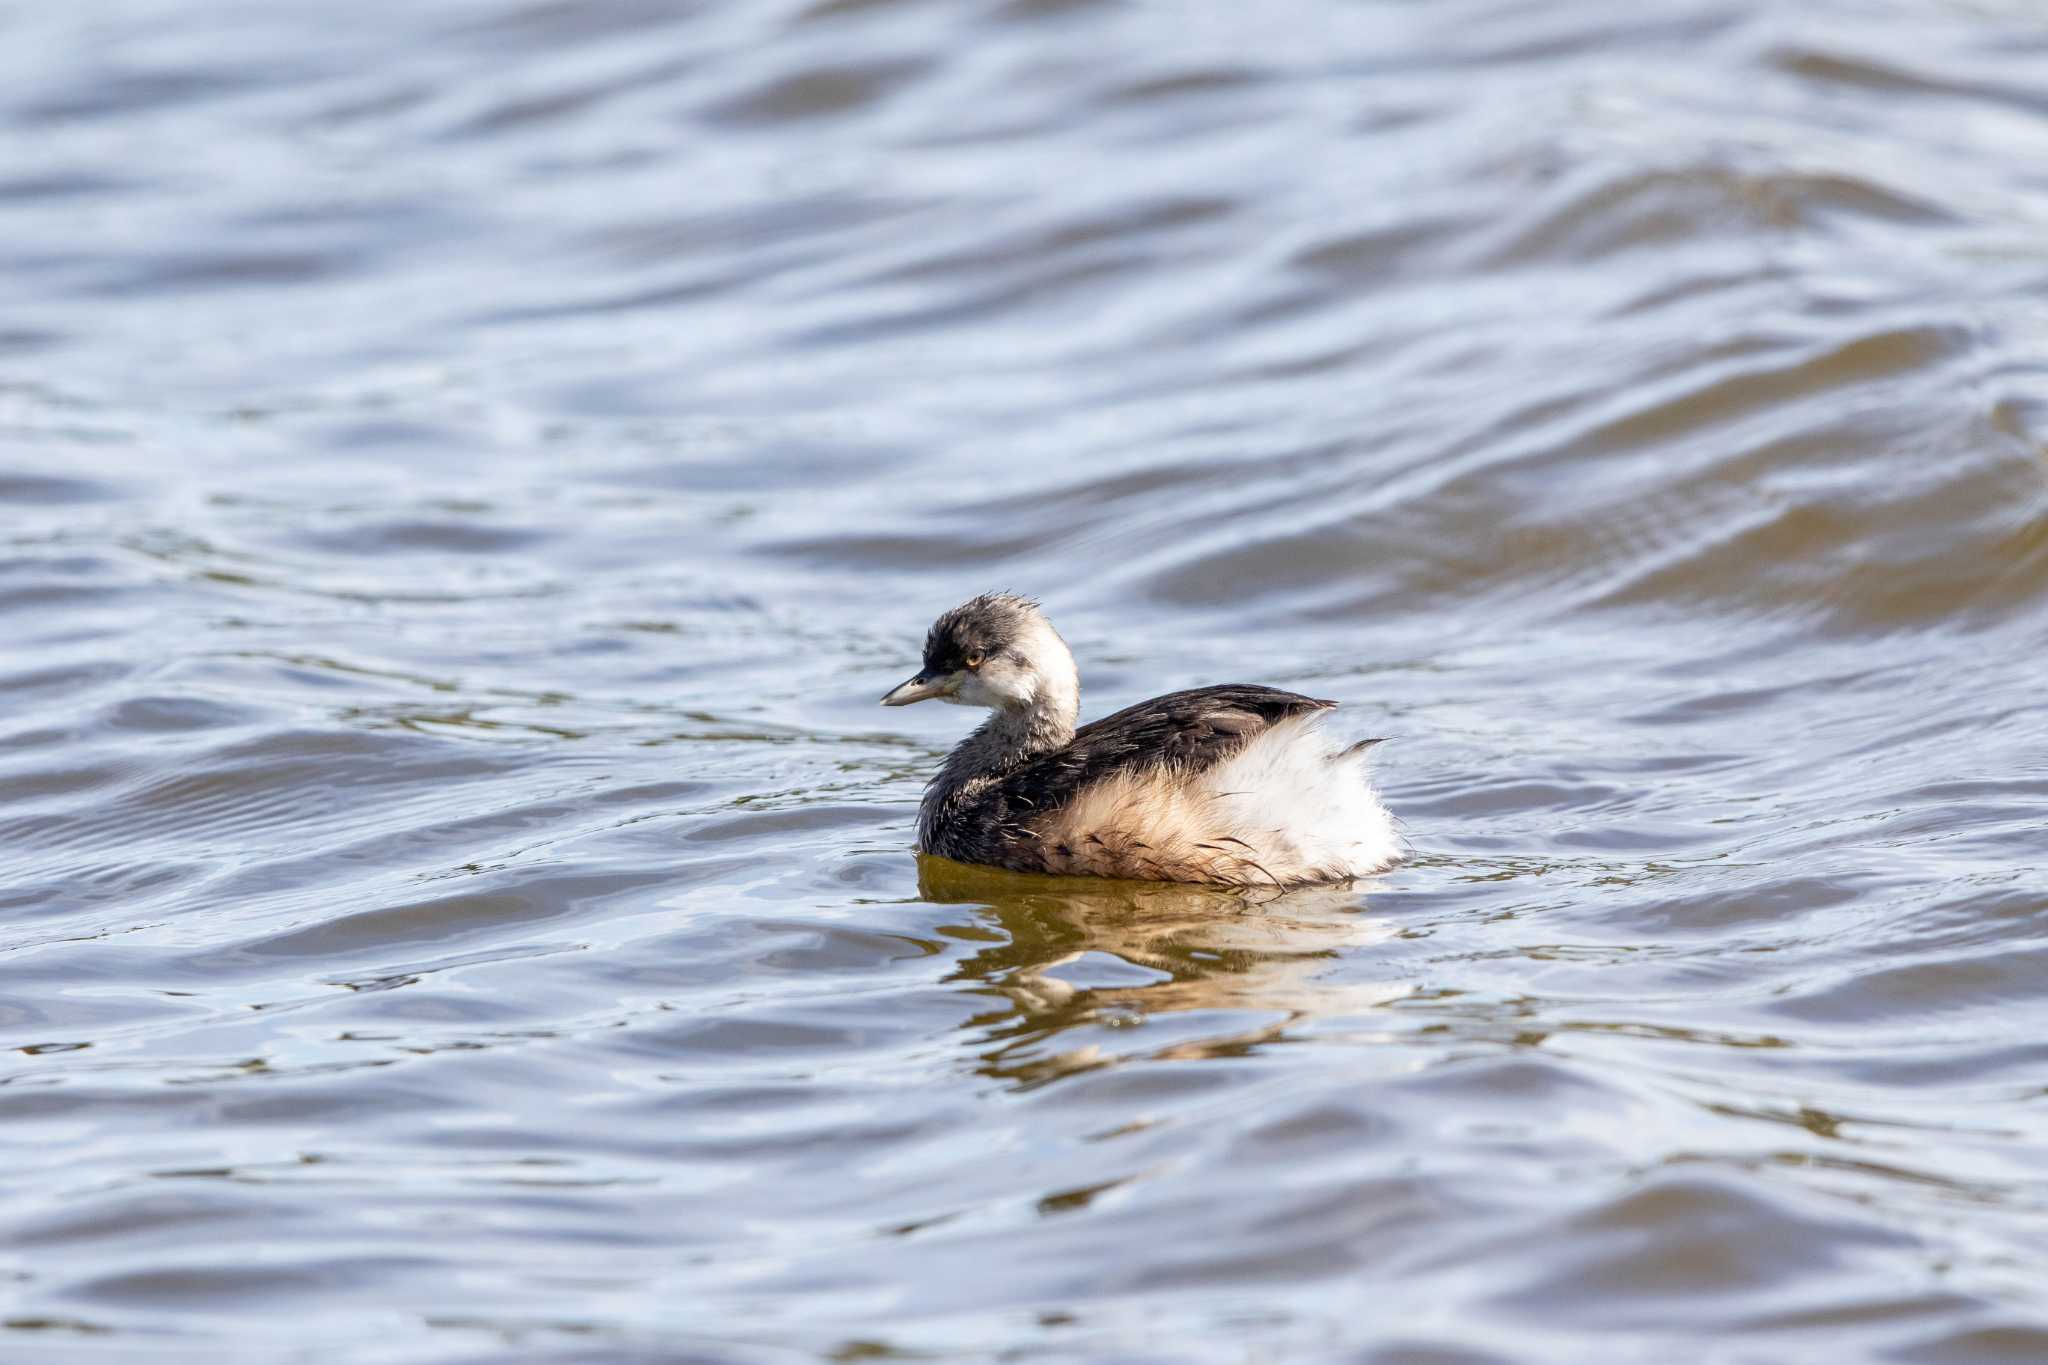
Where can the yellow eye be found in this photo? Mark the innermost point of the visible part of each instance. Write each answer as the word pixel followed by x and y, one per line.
pixel 974 661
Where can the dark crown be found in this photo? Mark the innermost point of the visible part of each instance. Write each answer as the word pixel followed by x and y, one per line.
pixel 976 629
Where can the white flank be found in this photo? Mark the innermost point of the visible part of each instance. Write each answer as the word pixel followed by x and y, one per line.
pixel 1306 805
pixel 1294 807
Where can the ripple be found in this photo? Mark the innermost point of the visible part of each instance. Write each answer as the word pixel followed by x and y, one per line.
pixel 819 92
pixel 1729 1244
pixel 53 490
pixel 1637 210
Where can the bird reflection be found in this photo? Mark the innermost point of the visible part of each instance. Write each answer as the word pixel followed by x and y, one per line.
pixel 1085 954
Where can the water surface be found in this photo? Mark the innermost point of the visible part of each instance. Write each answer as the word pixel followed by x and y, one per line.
pixel 469 469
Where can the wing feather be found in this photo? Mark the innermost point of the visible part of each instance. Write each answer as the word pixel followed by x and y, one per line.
pixel 1189 731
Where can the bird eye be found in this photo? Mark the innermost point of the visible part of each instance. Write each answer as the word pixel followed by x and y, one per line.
pixel 974 661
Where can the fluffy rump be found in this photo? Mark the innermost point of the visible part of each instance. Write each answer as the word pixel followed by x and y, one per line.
pixel 1290 808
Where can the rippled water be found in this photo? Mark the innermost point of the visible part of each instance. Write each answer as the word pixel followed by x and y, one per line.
pixel 469 469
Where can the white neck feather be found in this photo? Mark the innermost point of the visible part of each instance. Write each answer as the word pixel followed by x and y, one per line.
pixel 1032 707
pixel 1046 719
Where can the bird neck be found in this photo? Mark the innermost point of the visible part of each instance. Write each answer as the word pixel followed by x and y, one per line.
pixel 1046 721
pixel 1010 736
pixel 1017 733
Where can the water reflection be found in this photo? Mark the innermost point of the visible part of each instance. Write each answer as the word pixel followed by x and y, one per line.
pixel 1084 963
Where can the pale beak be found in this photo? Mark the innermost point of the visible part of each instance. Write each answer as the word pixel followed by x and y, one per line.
pixel 923 687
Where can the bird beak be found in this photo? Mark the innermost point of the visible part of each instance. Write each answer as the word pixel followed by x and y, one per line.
pixel 923 687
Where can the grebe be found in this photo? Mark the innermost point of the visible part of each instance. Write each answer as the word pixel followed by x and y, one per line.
pixel 1233 785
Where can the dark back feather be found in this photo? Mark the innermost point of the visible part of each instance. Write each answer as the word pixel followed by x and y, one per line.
pixel 1190 731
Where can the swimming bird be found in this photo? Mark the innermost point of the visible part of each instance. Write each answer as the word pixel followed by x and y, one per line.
pixel 1235 785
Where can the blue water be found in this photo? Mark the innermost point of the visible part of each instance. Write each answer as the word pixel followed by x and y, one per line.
pixel 469 468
